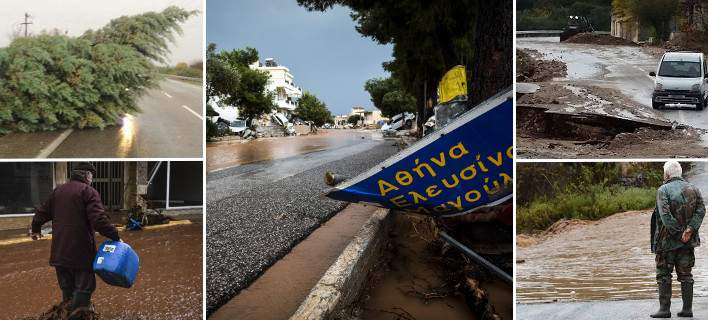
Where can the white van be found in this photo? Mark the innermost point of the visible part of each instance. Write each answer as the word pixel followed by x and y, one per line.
pixel 680 79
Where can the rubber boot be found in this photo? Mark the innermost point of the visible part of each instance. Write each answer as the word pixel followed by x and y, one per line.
pixel 80 305
pixel 664 301
pixel 687 297
pixel 66 295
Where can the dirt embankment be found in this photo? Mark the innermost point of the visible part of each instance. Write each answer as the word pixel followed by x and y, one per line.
pixel 526 240
pixel 600 39
pixel 685 41
pixel 530 67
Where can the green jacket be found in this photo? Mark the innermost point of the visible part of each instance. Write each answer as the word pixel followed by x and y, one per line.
pixel 678 204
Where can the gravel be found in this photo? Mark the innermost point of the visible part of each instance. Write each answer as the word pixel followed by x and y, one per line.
pixel 260 222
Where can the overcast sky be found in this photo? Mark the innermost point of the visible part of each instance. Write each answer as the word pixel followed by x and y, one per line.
pixel 76 16
pixel 322 50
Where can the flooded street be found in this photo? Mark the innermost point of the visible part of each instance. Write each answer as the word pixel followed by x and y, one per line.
pixel 231 153
pixel 609 259
pixel 168 286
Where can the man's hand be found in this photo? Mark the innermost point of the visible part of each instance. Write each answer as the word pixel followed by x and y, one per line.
pixel 36 236
pixel 686 235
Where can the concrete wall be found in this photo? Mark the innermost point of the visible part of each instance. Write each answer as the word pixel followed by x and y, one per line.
pixel 15 223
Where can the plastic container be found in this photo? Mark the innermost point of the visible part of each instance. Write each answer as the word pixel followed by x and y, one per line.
pixel 116 263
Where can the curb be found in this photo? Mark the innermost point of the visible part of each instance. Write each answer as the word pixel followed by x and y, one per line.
pixel 172 223
pixel 344 280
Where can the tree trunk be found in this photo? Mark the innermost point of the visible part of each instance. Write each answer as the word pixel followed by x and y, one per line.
pixel 491 66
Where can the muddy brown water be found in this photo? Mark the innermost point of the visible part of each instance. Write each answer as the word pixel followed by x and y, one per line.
pixel 169 283
pixel 231 153
pixel 395 291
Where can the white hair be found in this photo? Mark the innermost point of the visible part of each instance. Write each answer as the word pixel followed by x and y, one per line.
pixel 672 169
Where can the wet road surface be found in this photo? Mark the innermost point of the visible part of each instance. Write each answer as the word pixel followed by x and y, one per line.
pixel 257 212
pixel 169 125
pixel 607 260
pixel 623 68
pixel 232 153
pixel 168 286
pixel 626 310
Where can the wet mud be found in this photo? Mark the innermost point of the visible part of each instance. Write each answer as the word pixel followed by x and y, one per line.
pixel 169 283
pixel 601 39
pixel 231 153
pixel 531 67
pixel 414 281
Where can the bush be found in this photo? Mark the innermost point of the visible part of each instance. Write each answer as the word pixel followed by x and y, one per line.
pixel 597 203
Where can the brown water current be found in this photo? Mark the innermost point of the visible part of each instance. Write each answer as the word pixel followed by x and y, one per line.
pixel 168 286
pixel 609 259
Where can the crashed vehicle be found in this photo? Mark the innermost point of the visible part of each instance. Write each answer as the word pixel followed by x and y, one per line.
pixel 227 118
pixel 398 122
pixel 576 24
pixel 281 120
pixel 680 79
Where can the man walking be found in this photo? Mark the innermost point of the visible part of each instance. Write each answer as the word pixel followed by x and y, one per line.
pixel 75 210
pixel 678 216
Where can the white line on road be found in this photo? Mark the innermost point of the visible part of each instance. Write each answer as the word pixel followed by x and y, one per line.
pixel 44 153
pixel 167 94
pixel 192 111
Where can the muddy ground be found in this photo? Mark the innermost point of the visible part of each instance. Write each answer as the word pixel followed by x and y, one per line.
pixel 576 119
pixel 601 39
pixel 168 286
pixel 419 278
pixel 530 67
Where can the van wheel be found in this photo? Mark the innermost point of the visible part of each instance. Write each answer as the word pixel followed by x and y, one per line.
pixel 656 105
pixel 701 105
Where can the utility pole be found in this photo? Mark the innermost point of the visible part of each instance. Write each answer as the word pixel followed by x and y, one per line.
pixel 26 23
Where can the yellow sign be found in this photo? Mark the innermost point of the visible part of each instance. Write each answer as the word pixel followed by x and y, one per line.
pixel 453 84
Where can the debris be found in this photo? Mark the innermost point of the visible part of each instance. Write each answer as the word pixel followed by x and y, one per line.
pixel 530 68
pixel 601 39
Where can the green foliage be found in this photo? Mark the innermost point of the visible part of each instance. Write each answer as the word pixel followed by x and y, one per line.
pixel 389 97
pixel 229 77
pixel 182 69
pixel 596 203
pixel 51 81
pixel 354 119
pixel 553 14
pixel 309 108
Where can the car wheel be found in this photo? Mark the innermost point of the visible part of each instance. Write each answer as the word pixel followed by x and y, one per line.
pixel 701 104
pixel 657 105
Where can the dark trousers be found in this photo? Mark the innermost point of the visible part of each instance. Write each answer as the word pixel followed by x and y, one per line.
pixel 76 284
pixel 681 259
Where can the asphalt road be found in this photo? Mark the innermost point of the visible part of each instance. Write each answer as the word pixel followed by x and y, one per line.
pixel 624 68
pixel 170 125
pixel 626 310
pixel 257 212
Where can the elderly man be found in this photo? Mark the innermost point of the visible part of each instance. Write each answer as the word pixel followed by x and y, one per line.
pixel 678 216
pixel 75 210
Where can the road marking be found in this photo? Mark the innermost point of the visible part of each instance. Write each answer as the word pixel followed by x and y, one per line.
pixel 44 153
pixel 192 111
pixel 167 94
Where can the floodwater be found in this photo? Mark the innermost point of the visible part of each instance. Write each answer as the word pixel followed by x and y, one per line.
pixel 168 286
pixel 232 153
pixel 607 260
pixel 412 275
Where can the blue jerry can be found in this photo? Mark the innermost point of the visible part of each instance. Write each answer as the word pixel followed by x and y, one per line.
pixel 116 263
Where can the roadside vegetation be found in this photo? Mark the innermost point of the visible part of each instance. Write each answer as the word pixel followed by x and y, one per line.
pixel 182 69
pixel 549 192
pixel 553 14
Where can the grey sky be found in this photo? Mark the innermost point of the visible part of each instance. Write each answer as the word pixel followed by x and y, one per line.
pixel 76 16
pixel 323 51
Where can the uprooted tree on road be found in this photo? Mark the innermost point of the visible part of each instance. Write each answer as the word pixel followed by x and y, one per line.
pixel 52 81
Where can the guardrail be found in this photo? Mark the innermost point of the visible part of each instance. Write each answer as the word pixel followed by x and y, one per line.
pixel 183 78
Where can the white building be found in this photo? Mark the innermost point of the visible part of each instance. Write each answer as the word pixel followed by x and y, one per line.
pixel 281 83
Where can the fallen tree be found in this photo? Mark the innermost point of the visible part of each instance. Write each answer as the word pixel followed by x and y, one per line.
pixel 53 81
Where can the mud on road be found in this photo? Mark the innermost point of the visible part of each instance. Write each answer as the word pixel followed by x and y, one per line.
pixel 169 283
pixel 599 108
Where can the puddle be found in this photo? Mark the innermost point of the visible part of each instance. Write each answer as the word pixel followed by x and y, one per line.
pixel 608 260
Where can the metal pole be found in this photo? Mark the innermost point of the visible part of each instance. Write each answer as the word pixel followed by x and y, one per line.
pixel 167 193
pixel 26 23
pixel 477 258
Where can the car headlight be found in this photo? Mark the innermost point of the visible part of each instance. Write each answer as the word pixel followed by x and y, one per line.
pixel 659 86
pixel 696 87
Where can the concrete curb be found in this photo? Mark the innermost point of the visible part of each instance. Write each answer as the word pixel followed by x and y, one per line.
pixel 49 236
pixel 342 283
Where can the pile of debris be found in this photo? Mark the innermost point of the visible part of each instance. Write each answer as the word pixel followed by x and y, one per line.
pixel 685 41
pixel 529 68
pixel 601 39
